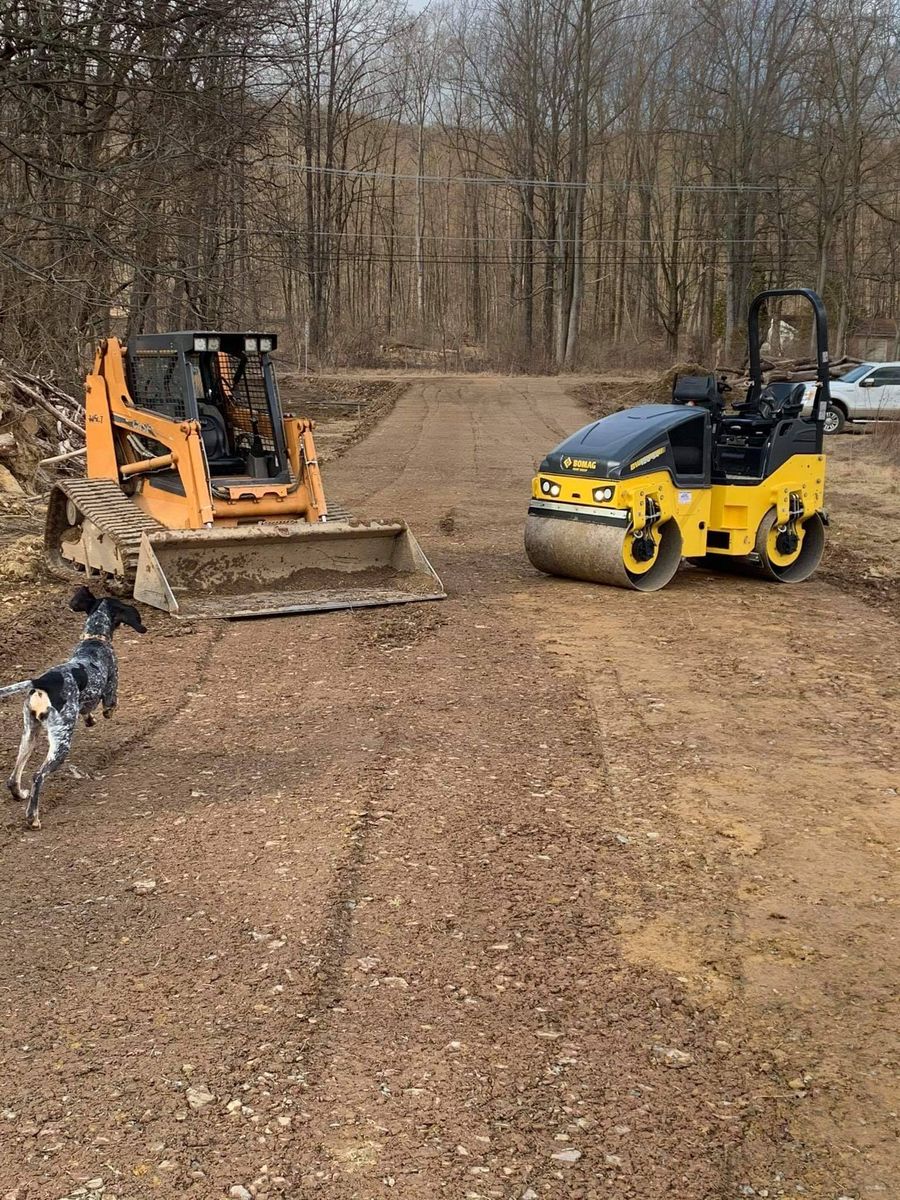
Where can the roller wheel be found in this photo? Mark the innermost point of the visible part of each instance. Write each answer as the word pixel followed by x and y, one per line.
pixel 649 574
pixel 769 561
pixel 794 564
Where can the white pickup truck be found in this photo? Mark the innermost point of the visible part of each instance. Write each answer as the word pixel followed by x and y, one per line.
pixel 869 392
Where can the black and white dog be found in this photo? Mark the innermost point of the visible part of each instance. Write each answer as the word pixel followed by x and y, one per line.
pixel 57 698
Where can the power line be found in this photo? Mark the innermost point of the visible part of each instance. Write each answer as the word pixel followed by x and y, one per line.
pixel 508 181
pixel 468 261
pixel 537 241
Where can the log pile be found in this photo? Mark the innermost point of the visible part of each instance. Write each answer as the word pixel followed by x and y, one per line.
pixel 604 398
pixel 41 434
pixel 796 370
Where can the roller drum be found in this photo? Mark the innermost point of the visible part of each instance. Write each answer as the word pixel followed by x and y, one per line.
pixel 597 553
pixel 766 564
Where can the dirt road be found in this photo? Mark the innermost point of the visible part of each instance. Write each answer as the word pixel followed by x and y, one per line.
pixel 544 891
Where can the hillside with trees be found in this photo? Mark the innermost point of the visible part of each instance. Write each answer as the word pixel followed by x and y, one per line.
pixel 546 183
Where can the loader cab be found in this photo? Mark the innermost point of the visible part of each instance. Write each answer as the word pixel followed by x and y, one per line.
pixel 225 382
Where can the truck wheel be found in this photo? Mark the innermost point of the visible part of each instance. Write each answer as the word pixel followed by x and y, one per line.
pixel 835 420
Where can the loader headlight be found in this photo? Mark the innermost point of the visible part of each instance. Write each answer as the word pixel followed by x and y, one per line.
pixel 199 344
pixel 603 493
pixel 206 343
pixel 213 343
pixel 251 345
pixel 265 345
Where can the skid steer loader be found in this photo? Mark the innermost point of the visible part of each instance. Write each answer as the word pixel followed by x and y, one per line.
pixel 203 499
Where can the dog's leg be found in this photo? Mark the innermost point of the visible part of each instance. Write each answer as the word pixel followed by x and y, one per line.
pixel 59 736
pixel 14 783
pixel 90 720
pixel 110 691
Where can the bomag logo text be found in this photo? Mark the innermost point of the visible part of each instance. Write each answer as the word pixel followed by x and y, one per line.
pixel 579 464
pixel 642 462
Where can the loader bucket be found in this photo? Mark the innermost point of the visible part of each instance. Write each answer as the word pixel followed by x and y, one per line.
pixel 265 569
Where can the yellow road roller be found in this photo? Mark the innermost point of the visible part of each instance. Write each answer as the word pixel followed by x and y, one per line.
pixel 626 498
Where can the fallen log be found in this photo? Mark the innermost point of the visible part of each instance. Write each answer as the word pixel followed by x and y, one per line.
pixel 36 398
pixel 58 458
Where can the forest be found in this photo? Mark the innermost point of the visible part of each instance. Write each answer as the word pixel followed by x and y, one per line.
pixel 529 184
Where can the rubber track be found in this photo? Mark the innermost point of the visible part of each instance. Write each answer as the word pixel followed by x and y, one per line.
pixel 337 512
pixel 115 514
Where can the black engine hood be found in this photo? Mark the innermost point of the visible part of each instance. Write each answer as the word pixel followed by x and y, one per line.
pixel 632 442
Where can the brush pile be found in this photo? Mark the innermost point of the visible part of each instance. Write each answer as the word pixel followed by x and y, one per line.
pixel 41 436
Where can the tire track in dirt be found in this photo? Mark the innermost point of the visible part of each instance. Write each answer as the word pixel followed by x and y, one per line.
pixel 338 921
pixel 359 1155
pixel 154 723
pixel 216 814
pixel 470 986
pixel 405 452
pixel 537 402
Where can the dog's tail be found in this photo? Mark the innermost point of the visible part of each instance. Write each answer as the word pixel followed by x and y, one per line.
pixel 12 688
pixel 39 704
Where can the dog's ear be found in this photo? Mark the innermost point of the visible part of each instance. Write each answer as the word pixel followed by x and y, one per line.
pixel 125 614
pixel 84 600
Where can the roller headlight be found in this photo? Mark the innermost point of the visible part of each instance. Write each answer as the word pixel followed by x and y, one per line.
pixel 545 486
pixel 602 494
pixel 554 489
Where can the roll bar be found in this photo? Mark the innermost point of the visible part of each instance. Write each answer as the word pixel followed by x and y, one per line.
pixel 823 398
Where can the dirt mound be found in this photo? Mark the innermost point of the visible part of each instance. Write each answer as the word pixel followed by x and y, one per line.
pixel 604 397
pixel 22 559
pixel 403 627
pixel 660 391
